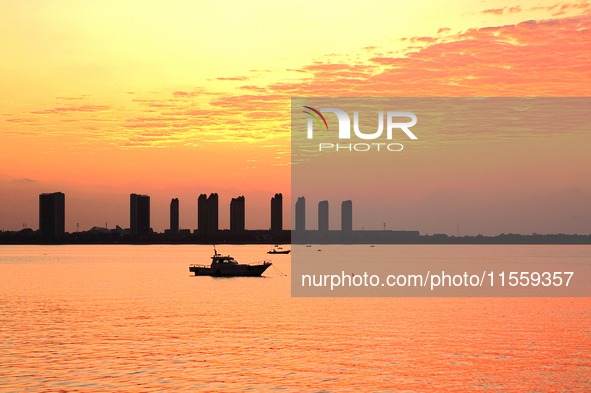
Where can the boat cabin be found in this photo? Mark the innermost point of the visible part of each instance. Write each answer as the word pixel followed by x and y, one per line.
pixel 223 259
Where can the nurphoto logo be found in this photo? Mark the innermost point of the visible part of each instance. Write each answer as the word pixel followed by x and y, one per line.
pixel 394 121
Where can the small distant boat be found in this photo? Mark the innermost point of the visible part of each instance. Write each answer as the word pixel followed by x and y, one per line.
pixel 278 251
pixel 308 245
pixel 227 266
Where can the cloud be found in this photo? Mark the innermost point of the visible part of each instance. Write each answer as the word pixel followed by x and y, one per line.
pixel 423 39
pixel 532 58
pixel 184 94
pixel 253 88
pixel 234 78
pixel 501 11
pixel 494 11
pixel 560 9
pixel 67 109
pixel 22 120
pixel 25 181
pixel 75 98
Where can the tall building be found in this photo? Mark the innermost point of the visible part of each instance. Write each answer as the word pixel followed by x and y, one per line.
pixel 237 214
pixel 347 216
pixel 300 214
pixel 277 213
pixel 212 213
pixel 323 216
pixel 202 213
pixel 52 214
pixel 207 213
pixel 139 214
pixel 174 215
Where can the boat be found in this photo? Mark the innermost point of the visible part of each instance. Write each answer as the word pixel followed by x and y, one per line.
pixel 278 250
pixel 227 266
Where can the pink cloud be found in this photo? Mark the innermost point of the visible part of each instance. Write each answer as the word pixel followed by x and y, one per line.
pixel 501 11
pixel 423 39
pixel 531 58
pixel 184 94
pixel 494 11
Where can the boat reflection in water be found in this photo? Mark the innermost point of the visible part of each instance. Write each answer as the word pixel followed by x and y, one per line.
pixel 227 266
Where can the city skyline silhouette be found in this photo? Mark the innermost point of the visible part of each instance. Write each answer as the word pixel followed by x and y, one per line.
pixel 53 213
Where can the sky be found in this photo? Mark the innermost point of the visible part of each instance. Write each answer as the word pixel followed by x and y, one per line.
pixel 178 98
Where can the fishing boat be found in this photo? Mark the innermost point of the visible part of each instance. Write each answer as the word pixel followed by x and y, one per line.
pixel 227 266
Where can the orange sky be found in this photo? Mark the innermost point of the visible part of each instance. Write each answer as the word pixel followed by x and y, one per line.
pixel 174 99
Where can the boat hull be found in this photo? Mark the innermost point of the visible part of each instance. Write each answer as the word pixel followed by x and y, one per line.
pixel 230 271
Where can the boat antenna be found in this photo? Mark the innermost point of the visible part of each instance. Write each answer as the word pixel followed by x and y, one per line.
pixel 215 252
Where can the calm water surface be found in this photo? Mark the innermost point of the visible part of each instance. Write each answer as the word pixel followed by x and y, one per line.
pixel 131 318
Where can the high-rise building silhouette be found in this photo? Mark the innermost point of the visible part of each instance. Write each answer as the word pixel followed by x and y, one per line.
pixel 207 211
pixel 202 213
pixel 277 213
pixel 139 214
pixel 174 215
pixel 347 216
pixel 237 214
pixel 300 214
pixel 212 213
pixel 52 214
pixel 323 216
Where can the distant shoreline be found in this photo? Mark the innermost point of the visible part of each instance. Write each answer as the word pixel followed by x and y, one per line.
pixel 285 237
